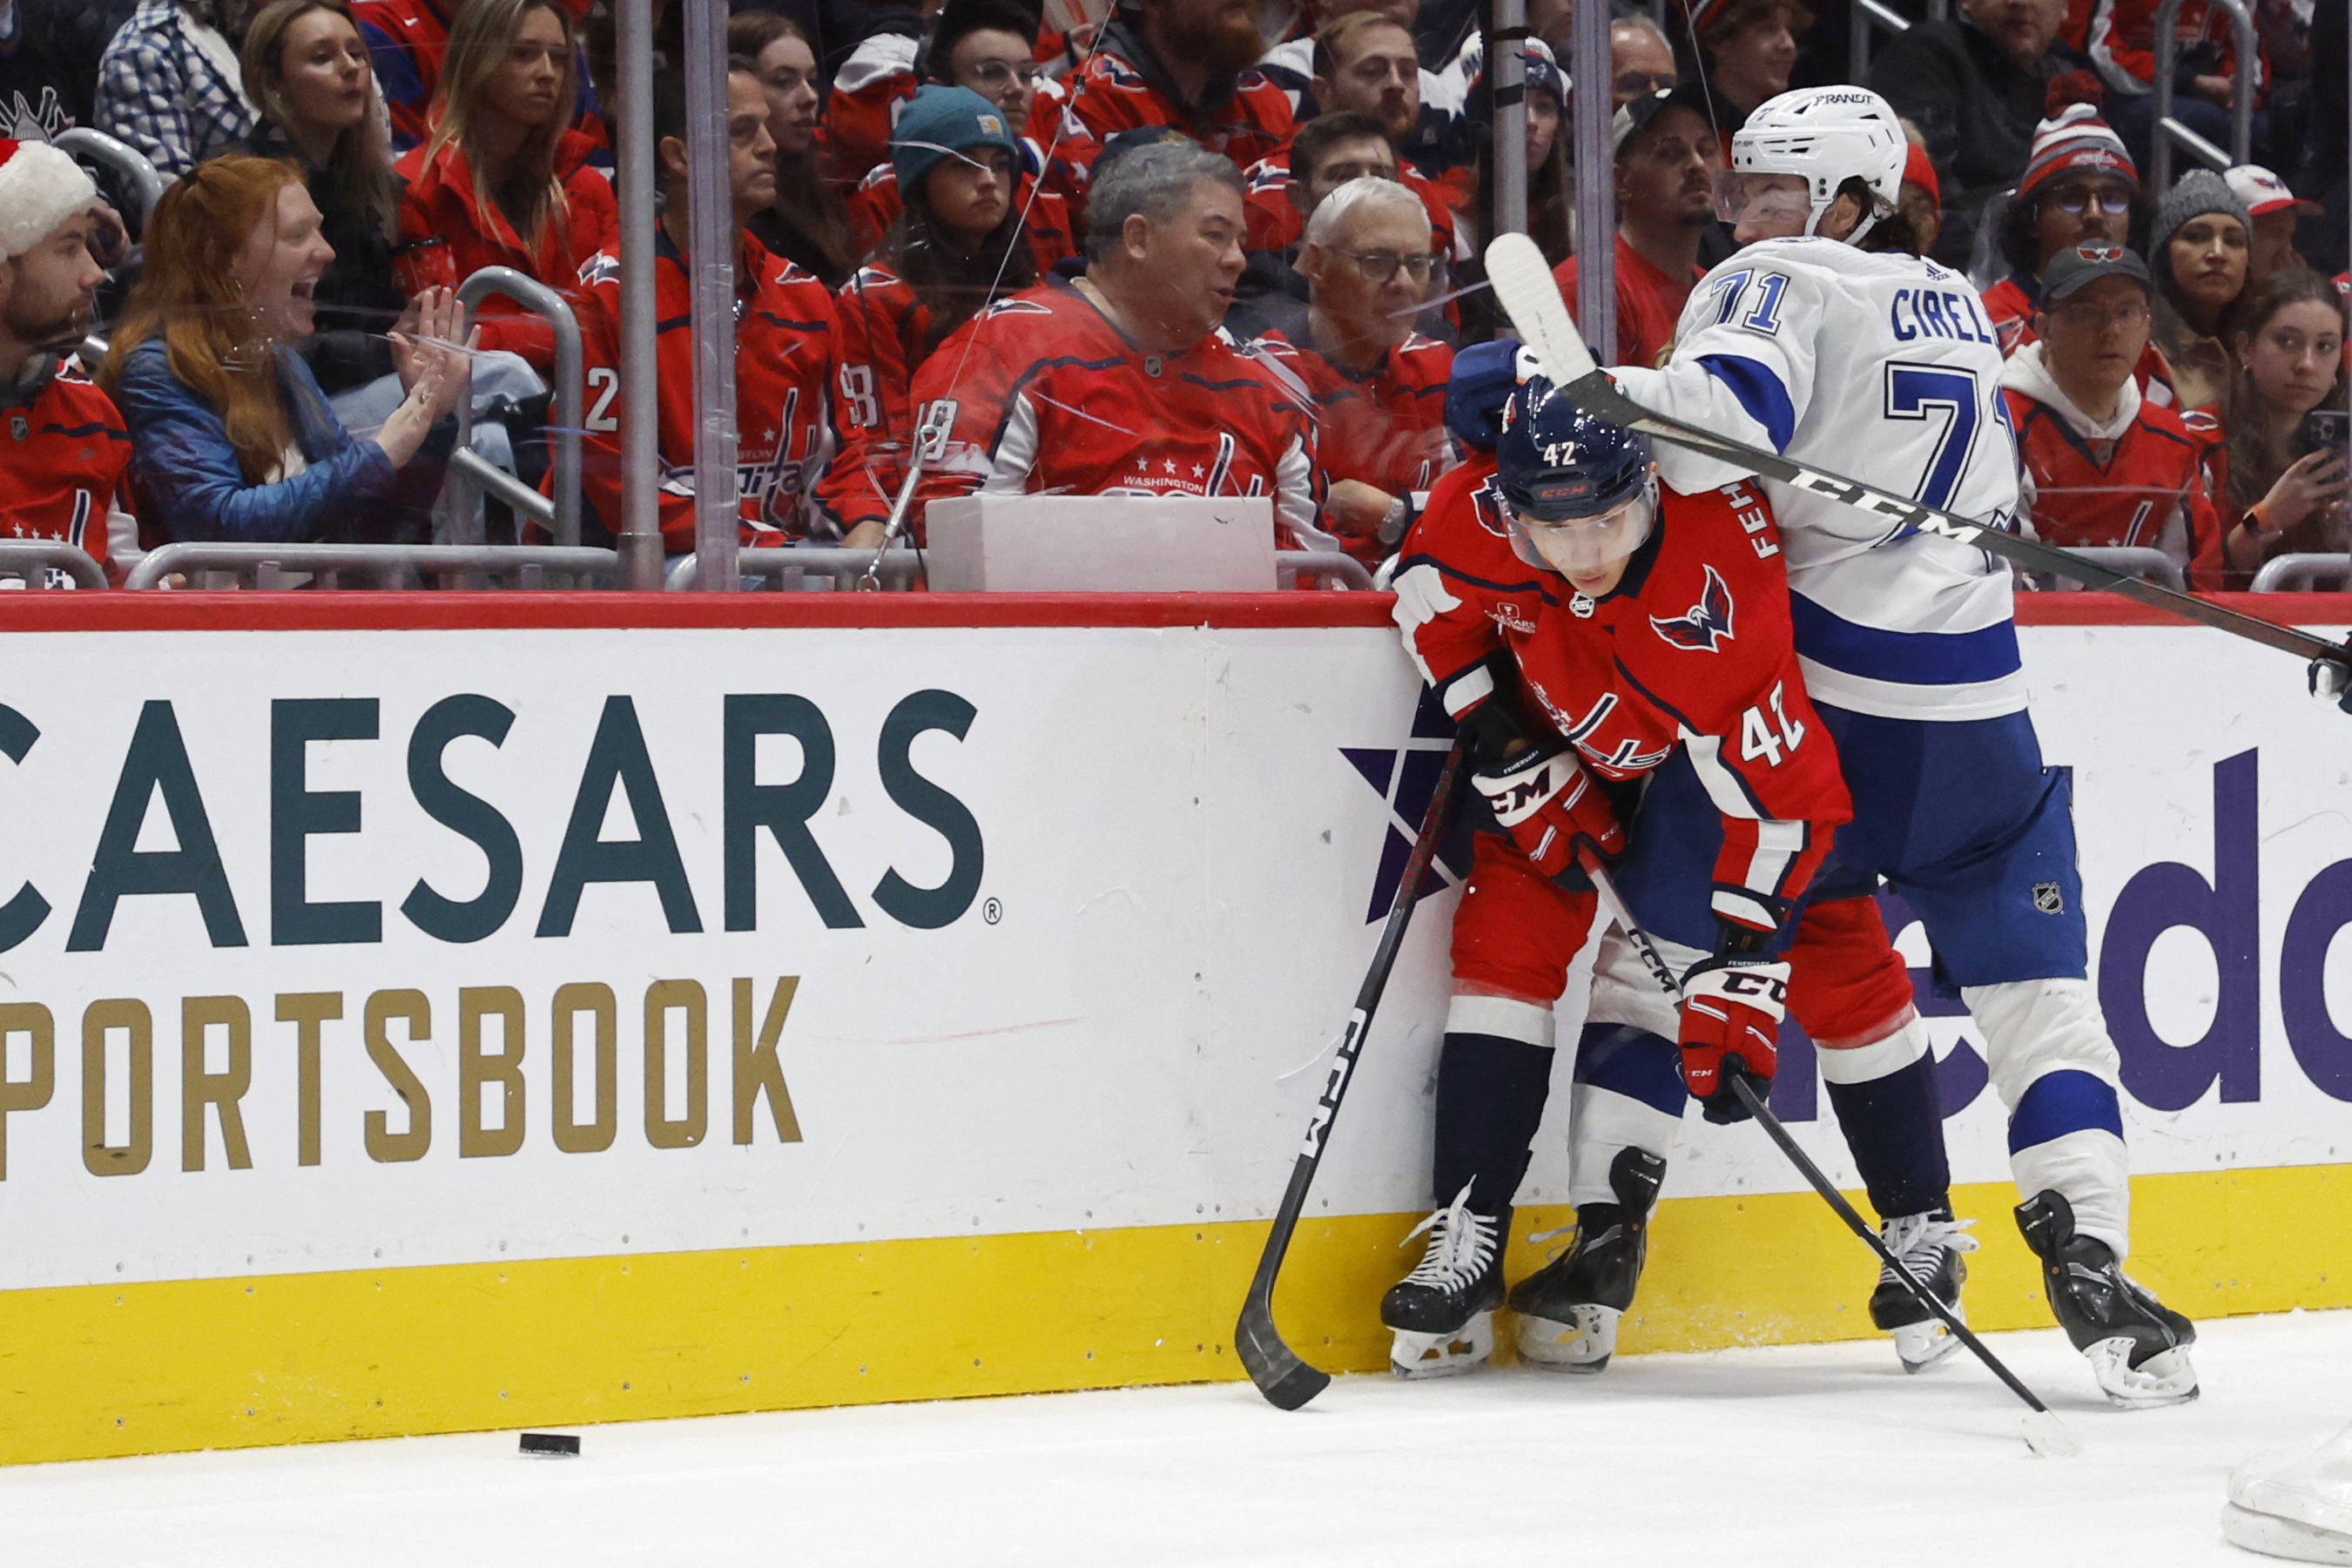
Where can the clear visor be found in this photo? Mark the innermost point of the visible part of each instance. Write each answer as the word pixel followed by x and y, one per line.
pixel 1762 200
pixel 1588 545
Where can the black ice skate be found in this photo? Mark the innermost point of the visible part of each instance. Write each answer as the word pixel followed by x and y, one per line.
pixel 1568 1309
pixel 2138 1346
pixel 1443 1313
pixel 1930 1246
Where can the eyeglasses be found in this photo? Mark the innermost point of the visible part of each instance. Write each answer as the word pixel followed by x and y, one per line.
pixel 1380 265
pixel 2073 200
pixel 1640 84
pixel 996 73
pixel 2095 317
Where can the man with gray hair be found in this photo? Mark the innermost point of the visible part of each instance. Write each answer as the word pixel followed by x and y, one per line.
pixel 1378 387
pixel 1119 383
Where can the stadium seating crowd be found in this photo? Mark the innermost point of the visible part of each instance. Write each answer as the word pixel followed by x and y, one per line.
pixel 938 207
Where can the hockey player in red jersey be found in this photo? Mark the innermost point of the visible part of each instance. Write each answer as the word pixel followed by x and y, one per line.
pixel 2105 467
pixel 1665 640
pixel 1186 64
pixel 1378 387
pixel 65 448
pixel 1120 382
pixel 785 353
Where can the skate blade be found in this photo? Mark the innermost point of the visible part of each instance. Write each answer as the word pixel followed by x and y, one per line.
pixel 2276 1537
pixel 2165 1378
pixel 1583 1345
pixel 1414 1354
pixel 1919 1346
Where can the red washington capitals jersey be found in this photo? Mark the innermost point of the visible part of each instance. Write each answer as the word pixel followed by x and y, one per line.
pixel 882 326
pixel 1693 647
pixel 62 458
pixel 785 358
pixel 1048 397
pixel 1274 223
pixel 1111 96
pixel 1386 429
pixel 2147 487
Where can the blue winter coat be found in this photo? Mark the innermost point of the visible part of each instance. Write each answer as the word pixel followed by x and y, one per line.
pixel 190 488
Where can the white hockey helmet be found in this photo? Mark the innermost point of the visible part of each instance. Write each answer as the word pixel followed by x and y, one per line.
pixel 1825 136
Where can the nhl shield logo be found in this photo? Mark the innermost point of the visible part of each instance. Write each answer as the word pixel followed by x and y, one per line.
pixel 19 428
pixel 2048 899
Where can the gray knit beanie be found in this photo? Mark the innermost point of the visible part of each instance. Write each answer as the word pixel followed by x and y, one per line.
pixel 2194 195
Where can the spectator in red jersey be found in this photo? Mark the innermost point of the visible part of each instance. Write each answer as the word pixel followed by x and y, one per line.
pixel 407 40
pixel 1745 51
pixel 2199 249
pixel 504 181
pixel 2103 466
pixel 2121 43
pixel 1119 383
pixel 1186 64
pixel 231 438
pixel 1365 64
pixel 976 44
pixel 1378 386
pixel 1641 61
pixel 785 349
pixel 1975 85
pixel 2292 354
pixel 306 69
pixel 65 444
pixel 807 223
pixel 1328 151
pixel 2275 210
pixel 1667 159
pixel 2079 188
pixel 955 250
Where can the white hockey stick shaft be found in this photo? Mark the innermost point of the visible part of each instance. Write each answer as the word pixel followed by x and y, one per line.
pixel 1524 283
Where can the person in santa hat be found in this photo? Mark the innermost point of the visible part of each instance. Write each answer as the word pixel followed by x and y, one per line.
pixel 63 447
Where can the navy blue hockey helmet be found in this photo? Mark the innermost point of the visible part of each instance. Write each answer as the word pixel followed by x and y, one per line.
pixel 1558 464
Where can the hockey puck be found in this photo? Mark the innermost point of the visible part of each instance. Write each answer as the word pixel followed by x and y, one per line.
pixel 559 1445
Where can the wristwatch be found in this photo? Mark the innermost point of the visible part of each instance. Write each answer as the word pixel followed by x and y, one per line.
pixel 1396 519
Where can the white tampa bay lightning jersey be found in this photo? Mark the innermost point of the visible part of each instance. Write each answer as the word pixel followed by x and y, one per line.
pixel 1882 368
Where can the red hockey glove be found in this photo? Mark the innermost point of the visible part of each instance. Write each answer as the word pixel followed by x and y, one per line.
pixel 1731 1024
pixel 1546 802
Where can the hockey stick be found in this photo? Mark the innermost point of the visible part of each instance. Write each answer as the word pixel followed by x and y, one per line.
pixel 1524 283
pixel 2044 1433
pixel 1287 1382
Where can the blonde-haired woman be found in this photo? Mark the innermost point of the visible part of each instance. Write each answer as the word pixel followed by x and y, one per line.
pixel 504 180
pixel 231 438
pixel 306 69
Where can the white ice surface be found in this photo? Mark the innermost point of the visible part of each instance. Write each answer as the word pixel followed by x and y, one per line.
pixel 1811 1455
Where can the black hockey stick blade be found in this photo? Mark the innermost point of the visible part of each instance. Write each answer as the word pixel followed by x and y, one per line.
pixel 1532 300
pixel 1287 1382
pixel 2043 1432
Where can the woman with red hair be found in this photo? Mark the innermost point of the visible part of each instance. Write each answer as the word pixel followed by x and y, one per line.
pixel 231 438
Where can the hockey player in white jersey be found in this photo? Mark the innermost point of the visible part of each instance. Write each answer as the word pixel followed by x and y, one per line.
pixel 1826 339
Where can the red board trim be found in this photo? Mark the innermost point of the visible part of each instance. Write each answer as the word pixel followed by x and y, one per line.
pixel 365 612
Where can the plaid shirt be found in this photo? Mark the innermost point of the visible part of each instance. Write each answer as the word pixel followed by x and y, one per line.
pixel 165 96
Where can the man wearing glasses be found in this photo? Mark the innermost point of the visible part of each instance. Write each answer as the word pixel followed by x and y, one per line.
pixel 1376 386
pixel 2079 188
pixel 2104 466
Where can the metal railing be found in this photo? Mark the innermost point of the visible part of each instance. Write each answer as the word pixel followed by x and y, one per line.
pixel 2247 64
pixel 1870 18
pixel 469 472
pixel 2133 560
pixel 2293 573
pixel 145 182
pixel 379 566
pixel 30 563
pixel 787 570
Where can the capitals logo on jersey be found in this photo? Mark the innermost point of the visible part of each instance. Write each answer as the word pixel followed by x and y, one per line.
pixel 1707 625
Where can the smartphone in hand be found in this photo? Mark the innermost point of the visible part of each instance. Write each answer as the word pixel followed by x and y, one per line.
pixel 2324 430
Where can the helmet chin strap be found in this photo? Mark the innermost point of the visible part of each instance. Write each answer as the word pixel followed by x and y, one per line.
pixel 1813 223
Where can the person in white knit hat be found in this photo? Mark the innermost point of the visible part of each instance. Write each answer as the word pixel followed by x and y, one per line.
pixel 63 446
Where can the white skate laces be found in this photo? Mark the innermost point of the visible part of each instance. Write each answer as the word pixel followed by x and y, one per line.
pixel 1916 1239
pixel 1461 1245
